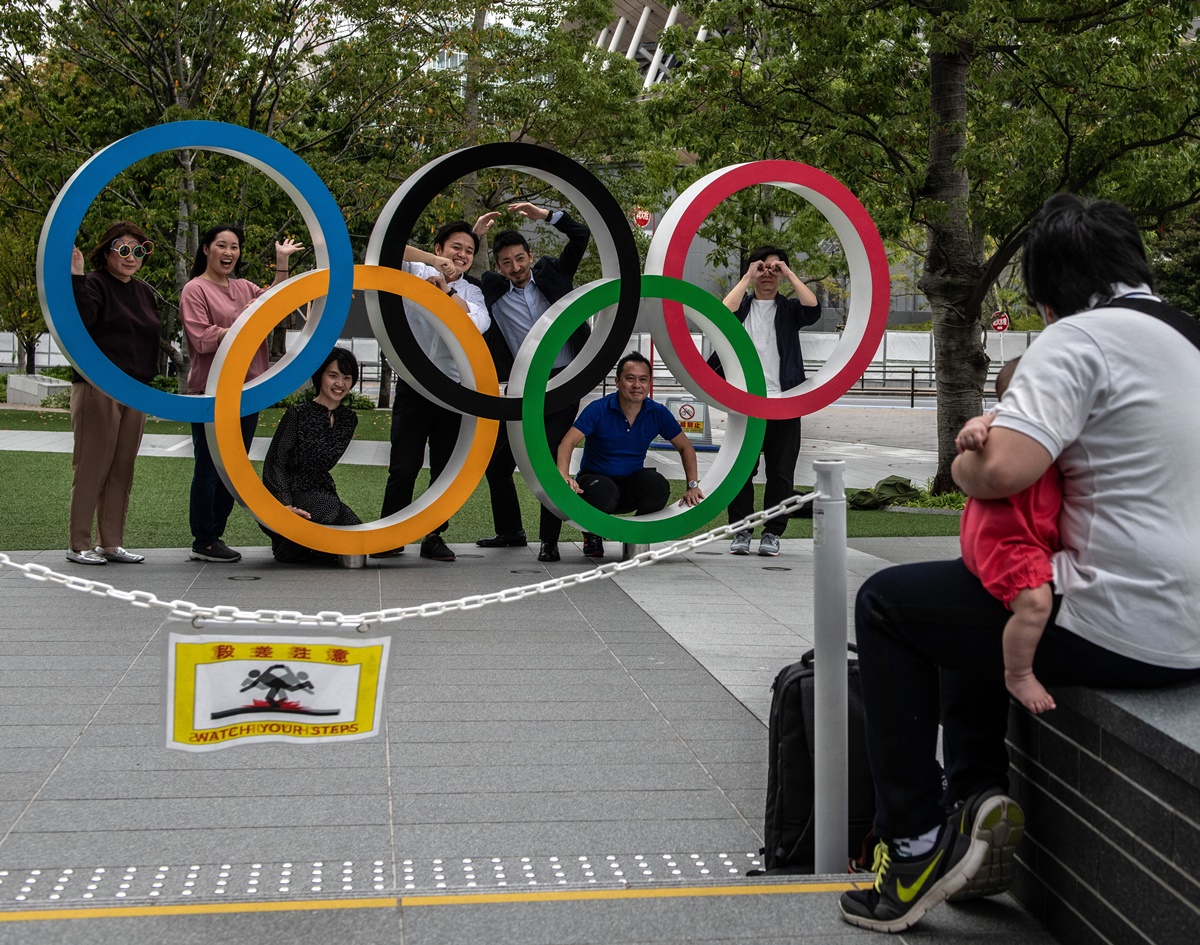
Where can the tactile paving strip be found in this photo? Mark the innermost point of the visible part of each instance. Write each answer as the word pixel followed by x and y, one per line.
pixel 363 878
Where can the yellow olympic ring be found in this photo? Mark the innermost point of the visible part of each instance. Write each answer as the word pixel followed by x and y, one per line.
pixel 441 500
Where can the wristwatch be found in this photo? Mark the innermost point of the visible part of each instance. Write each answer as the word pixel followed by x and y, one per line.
pixel 451 292
pixel 693 483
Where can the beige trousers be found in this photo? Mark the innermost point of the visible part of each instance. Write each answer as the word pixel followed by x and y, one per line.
pixel 107 437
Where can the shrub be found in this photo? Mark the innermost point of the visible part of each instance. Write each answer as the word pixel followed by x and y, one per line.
pixel 64 372
pixel 3 388
pixel 169 384
pixel 303 395
pixel 947 500
pixel 354 400
pixel 59 400
pixel 927 500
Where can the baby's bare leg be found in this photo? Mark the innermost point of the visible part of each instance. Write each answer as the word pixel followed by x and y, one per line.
pixel 1030 613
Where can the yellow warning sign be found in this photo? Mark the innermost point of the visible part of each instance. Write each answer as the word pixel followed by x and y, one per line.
pixel 231 689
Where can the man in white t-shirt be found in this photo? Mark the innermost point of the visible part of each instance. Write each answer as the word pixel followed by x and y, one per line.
pixel 773 322
pixel 1107 392
pixel 416 421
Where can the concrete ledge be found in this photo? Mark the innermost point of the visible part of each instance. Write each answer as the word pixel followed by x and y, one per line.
pixel 33 388
pixel 1110 783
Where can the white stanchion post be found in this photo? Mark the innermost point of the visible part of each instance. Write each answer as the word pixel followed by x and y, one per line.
pixel 831 806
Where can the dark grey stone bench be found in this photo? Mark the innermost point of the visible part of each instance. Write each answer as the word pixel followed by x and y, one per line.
pixel 1110 784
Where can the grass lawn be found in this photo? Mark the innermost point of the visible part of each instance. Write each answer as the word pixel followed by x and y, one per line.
pixel 37 488
pixel 372 424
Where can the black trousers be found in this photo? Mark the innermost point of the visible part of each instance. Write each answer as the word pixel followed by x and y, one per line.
pixel 322 510
pixel 415 423
pixel 641 492
pixel 781 449
pixel 506 510
pixel 210 502
pixel 929 650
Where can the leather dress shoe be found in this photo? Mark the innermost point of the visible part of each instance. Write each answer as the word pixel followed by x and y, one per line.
pixel 549 551
pixel 515 540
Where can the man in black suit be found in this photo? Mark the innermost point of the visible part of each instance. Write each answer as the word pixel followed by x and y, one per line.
pixel 516 297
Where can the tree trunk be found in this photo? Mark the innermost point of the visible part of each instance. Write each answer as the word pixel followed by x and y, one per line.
pixel 187 240
pixel 954 262
pixel 385 382
pixel 473 204
pixel 29 347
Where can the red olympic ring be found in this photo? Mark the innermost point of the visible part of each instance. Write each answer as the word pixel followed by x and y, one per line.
pixel 869 278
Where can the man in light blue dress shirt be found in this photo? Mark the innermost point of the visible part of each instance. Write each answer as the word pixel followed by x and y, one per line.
pixel 517 296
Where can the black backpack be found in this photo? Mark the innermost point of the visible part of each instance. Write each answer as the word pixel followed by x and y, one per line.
pixel 788 828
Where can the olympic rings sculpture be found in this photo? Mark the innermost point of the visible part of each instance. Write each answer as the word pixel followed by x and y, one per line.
pixel 613 301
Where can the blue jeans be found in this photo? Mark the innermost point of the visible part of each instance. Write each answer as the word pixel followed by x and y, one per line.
pixel 211 502
pixel 929 650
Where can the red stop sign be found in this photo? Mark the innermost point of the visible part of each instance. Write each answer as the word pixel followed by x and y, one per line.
pixel 999 321
pixel 641 217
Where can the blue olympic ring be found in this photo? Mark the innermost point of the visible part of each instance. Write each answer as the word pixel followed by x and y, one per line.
pixel 330 241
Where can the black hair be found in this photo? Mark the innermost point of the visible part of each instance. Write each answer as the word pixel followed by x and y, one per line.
pixel 449 229
pixel 1004 377
pixel 636 356
pixel 347 363
pixel 761 254
pixel 1078 248
pixel 206 238
pixel 506 238
pixel 122 228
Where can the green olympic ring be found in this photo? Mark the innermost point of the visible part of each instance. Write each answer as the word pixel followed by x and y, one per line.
pixel 531 375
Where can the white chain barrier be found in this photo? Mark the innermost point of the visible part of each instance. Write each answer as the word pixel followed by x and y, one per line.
pixel 372 620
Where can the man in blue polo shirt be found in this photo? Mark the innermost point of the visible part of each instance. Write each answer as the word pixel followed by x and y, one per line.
pixel 619 429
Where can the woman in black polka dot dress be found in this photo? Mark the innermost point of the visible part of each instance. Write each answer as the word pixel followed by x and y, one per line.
pixel 307 444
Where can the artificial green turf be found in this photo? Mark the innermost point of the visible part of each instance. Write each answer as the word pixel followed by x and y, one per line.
pixel 37 486
pixel 372 424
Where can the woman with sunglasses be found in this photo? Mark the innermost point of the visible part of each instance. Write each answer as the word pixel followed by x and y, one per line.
pixel 121 314
pixel 210 303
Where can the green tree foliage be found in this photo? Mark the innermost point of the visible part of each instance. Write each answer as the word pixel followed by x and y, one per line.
pixel 1176 257
pixel 20 311
pixel 364 91
pixel 959 116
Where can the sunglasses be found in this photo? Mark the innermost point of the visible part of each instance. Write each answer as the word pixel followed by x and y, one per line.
pixel 137 251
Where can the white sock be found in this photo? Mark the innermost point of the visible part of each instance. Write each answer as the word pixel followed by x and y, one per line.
pixel 917 846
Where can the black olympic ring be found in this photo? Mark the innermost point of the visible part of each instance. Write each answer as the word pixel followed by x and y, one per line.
pixel 615 243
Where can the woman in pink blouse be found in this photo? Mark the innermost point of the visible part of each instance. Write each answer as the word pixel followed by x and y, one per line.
pixel 210 303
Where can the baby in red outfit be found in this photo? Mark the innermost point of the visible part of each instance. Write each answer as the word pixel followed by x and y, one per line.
pixel 1007 544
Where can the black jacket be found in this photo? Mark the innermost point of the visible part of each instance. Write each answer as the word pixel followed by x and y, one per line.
pixel 555 277
pixel 790 316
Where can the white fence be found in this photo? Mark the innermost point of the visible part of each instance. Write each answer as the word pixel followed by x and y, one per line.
pixel 898 354
pixel 12 357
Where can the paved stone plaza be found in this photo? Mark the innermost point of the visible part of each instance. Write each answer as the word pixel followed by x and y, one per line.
pixel 582 766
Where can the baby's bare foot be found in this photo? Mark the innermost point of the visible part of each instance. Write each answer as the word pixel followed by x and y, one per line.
pixel 1029 692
